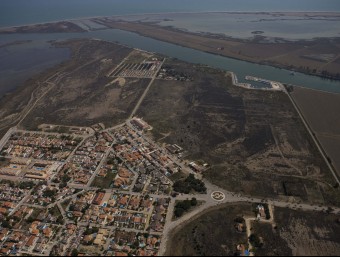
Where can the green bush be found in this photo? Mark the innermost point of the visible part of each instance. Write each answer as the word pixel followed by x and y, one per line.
pixel 190 184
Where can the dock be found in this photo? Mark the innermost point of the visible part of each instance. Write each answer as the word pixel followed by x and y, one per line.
pixel 274 86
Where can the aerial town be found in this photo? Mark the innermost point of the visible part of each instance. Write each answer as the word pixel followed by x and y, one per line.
pixel 170 131
pixel 103 192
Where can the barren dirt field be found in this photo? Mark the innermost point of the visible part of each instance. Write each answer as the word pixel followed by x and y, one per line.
pixel 291 55
pixel 210 234
pixel 321 110
pixel 305 236
pixel 76 92
pixel 254 140
pixel 293 233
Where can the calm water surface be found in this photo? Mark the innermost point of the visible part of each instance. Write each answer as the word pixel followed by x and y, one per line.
pixel 20 12
pixel 241 68
pixel 19 62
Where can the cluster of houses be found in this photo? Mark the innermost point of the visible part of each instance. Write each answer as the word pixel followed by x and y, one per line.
pixel 33 239
pixel 10 196
pixel 52 147
pixel 86 158
pixel 169 73
pixel 140 70
pixel 152 164
pixel 107 242
pixel 126 243
pixel 120 210
pixel 62 211
pixel 44 195
pixel 35 170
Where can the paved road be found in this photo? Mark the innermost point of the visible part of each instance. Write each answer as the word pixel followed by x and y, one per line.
pixel 229 198
pixel 52 85
pixel 5 138
pixel 64 199
pixel 21 202
pixel 62 211
pixel 14 118
pixel 146 91
pixel 98 167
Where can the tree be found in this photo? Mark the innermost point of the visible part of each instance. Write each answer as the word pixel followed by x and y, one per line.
pixel 74 252
pixel 66 178
pixel 179 212
pixel 193 201
pixel 60 220
pixel 49 193
pixel 255 241
pixel 239 220
pixel 6 224
pixel 185 205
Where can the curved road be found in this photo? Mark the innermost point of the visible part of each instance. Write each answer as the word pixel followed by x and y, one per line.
pixel 229 198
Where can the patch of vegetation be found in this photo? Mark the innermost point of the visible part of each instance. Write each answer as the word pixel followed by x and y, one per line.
pixel 177 176
pixel 210 234
pixel 33 216
pixel 64 204
pixel 267 240
pixel 190 184
pixel 256 241
pixel 26 185
pixel 184 206
pixel 74 252
pixel 54 211
pixel 49 193
pixel 104 182
pixel 8 182
pixel 90 231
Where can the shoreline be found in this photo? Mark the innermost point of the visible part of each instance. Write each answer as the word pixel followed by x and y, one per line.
pixel 133 27
pixel 194 40
pixel 319 13
pixel 277 66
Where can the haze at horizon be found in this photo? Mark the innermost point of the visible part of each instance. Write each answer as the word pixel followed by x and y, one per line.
pixel 20 12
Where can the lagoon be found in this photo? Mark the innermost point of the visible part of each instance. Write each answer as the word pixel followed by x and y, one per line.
pixel 241 68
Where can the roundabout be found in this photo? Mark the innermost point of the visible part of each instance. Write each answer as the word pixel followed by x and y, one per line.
pixel 218 196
